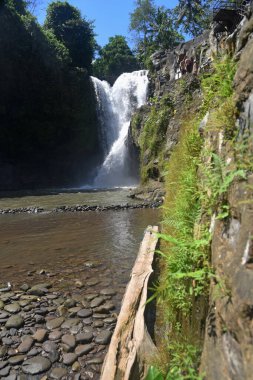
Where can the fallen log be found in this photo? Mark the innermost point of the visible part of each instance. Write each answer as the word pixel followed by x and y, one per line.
pixel 131 345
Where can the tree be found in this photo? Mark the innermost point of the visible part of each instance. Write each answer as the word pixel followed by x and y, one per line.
pixel 193 16
pixel 76 33
pixel 154 28
pixel 115 58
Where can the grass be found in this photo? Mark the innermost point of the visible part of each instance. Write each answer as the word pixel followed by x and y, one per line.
pixel 197 181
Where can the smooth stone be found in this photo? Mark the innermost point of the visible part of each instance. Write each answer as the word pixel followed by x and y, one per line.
pixel 33 352
pixel 12 308
pixel 70 323
pixel 55 335
pixel 84 337
pixel 100 316
pixel 5 371
pixel 26 345
pixel 110 320
pixel 2 304
pixel 24 287
pixel 75 329
pixel 74 310
pixel 108 292
pixel 83 349
pixel 58 372
pixel 37 291
pixel 92 282
pixel 90 297
pixel 15 321
pixel 30 298
pixel 87 321
pixel 17 359
pixel 69 359
pixel 58 301
pixel 69 340
pixel 95 361
pixel 104 337
pixel 84 313
pixel 69 303
pixel 36 365
pixel 40 335
pixel 55 323
pixel 98 324
pixel 3 363
pixel 4 315
pixel 97 302
pixel 52 350
pixel 76 367
pixel 13 376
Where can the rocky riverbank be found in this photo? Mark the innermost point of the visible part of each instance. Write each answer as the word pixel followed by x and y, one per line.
pixel 81 208
pixel 50 334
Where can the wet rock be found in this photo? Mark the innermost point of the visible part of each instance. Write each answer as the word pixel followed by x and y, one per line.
pixel 55 323
pixel 26 345
pixel 58 372
pixel 69 358
pixel 104 337
pixel 24 287
pixel 70 323
pixel 76 367
pixel 69 340
pixel 83 349
pixel 5 371
pixel 96 302
pixel 13 308
pixel 108 292
pixel 69 303
pixel 15 321
pixel 36 365
pixel 84 337
pixel 55 335
pixel 17 359
pixel 52 350
pixel 84 313
pixel 40 335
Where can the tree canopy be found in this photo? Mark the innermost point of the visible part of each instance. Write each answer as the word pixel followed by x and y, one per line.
pixel 76 33
pixel 193 16
pixel 153 28
pixel 115 58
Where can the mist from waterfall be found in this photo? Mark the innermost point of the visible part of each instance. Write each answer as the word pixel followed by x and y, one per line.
pixel 116 106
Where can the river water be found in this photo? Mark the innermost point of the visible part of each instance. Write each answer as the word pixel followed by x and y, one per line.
pixel 66 247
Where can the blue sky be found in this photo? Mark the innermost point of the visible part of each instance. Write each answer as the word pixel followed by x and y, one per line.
pixel 110 17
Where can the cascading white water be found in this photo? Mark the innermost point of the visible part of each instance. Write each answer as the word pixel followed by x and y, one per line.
pixel 116 106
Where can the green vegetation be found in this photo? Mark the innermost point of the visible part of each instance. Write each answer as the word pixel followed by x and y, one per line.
pixel 68 26
pixel 115 58
pixel 153 28
pixel 47 107
pixel 197 180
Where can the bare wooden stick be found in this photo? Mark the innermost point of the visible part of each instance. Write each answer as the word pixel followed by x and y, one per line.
pixel 131 344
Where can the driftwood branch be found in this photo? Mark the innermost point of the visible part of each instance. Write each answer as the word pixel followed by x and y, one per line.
pixel 131 345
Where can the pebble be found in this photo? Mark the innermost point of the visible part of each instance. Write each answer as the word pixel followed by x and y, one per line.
pixel 97 302
pixel 55 335
pixel 26 345
pixel 15 321
pixel 12 308
pixel 83 349
pixel 17 359
pixel 58 373
pixel 55 323
pixel 36 365
pixel 69 340
pixel 108 292
pixel 84 313
pixel 84 337
pixel 103 337
pixel 40 335
pixel 69 358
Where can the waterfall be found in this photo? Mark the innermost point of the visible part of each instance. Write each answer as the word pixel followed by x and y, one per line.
pixel 116 106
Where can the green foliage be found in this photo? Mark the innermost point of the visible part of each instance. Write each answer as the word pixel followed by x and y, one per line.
pixel 153 28
pixel 193 16
pixel 184 362
pixel 217 85
pixel 115 58
pixel 67 24
pixel 152 137
pixel 47 110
